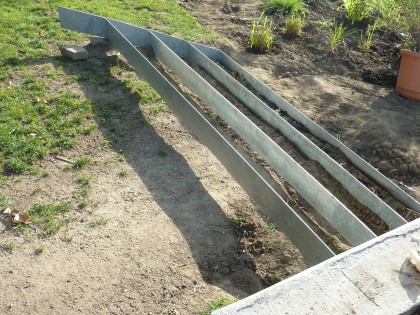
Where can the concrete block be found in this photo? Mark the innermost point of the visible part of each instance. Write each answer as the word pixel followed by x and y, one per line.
pixel 74 52
pixel 374 278
pixel 99 41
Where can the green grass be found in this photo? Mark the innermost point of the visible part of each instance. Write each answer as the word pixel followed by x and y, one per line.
pixel 8 247
pixel 270 227
pixel 219 303
pixel 81 162
pixel 39 113
pixel 285 6
pixel 4 203
pixel 48 219
pixel 84 180
pixel 97 222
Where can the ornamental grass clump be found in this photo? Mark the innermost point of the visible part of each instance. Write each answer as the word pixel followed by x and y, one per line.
pixel 261 34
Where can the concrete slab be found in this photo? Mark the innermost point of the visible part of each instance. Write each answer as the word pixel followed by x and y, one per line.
pixel 373 278
pixel 74 52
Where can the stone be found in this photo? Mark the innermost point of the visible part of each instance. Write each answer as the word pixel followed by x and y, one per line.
pixel 404 167
pixel 99 41
pixel 413 168
pixel 384 167
pixel 74 52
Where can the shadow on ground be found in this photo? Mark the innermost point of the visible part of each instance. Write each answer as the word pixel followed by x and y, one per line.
pixel 173 184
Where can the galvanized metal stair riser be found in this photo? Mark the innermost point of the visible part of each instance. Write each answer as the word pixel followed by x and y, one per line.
pixel 172 52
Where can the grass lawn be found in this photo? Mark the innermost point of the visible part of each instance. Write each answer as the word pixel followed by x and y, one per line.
pixel 39 114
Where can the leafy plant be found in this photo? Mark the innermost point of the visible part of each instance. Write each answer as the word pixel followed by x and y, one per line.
pixel 365 40
pixel 98 222
pixel 357 10
pixel 81 162
pixel 270 227
pixel 261 34
pixel 220 302
pixel 285 6
pixel 8 247
pixel 409 22
pixel 336 36
pixel 47 217
pixel 294 24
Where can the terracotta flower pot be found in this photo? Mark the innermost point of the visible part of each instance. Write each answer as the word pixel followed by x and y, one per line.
pixel 408 83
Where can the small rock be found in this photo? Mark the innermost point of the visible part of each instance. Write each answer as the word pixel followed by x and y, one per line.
pixel 384 167
pixel 404 167
pixel 99 41
pixel 413 168
pixel 74 52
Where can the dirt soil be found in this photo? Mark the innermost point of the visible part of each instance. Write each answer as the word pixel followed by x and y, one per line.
pixel 180 231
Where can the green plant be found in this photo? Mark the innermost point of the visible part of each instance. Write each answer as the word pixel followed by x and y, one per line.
pixel 285 6
pixel 154 109
pixel 162 151
pixel 81 162
pixel 98 222
pixel 47 218
pixel 84 180
pixel 409 23
pixel 261 34
pixel 216 304
pixel 82 204
pixel 39 250
pixel 123 173
pixel 365 40
pixel 8 247
pixel 270 227
pixel 83 191
pixel 336 36
pixel 357 10
pixel 294 24
pixel 4 202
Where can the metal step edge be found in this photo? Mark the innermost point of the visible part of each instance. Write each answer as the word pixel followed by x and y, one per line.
pixel 339 216
pixel 313 249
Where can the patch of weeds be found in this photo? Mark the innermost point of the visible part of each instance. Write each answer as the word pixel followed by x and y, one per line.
pixel 4 202
pixel 39 250
pixel 36 191
pixel 67 238
pixel 8 247
pixel 270 227
pixel 83 191
pixel 81 162
pixel 235 220
pixel 123 173
pixel 1 179
pixel 84 180
pixel 162 150
pixel 219 270
pixel 294 24
pixel 44 174
pixel 285 6
pixel 357 10
pixel 98 222
pixel 219 303
pixel 154 109
pixel 336 36
pixel 82 204
pixel 261 34
pixel 106 144
pixel 47 218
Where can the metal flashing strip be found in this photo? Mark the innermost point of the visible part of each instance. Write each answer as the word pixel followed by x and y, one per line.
pixel 175 54
pixel 313 249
